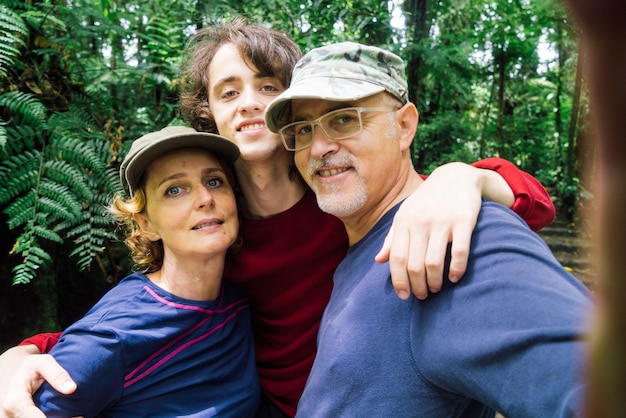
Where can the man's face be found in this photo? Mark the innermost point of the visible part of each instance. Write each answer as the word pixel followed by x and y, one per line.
pixel 350 176
pixel 238 96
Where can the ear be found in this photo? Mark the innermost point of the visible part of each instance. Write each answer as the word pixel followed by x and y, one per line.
pixel 145 226
pixel 407 118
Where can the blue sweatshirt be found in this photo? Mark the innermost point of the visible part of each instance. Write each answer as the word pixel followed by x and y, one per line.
pixel 143 352
pixel 507 337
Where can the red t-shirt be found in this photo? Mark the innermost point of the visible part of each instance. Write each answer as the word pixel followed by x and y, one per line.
pixel 286 266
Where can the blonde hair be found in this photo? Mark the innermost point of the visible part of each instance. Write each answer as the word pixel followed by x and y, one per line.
pixel 146 254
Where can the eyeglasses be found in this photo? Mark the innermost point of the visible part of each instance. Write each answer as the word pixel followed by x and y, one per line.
pixel 338 124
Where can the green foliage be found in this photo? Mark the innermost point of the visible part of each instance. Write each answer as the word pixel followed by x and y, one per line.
pixel 30 111
pixel 12 30
pixel 55 192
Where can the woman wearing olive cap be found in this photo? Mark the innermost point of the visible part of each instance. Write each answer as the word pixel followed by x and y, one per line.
pixel 171 339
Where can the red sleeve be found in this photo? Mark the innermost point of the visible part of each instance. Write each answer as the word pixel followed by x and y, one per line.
pixel 532 201
pixel 44 342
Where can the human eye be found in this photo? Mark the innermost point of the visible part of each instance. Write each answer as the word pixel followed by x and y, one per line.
pixel 302 129
pixel 270 88
pixel 343 119
pixel 271 85
pixel 214 182
pixel 228 94
pixel 173 191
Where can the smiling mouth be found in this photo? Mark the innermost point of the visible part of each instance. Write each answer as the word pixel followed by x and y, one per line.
pixel 206 224
pixel 252 127
pixel 332 172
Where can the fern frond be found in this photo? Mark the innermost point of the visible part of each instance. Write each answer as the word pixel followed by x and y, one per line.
pixel 11 27
pixel 21 138
pixel 90 235
pixel 76 119
pixel 33 256
pixel 21 210
pixel 60 193
pixel 56 208
pixel 28 107
pixel 76 151
pixel 47 234
pixel 40 20
pixel 19 174
pixel 34 259
pixel 4 136
pixel 64 173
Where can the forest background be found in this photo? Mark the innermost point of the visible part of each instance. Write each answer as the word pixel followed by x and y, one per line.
pixel 79 80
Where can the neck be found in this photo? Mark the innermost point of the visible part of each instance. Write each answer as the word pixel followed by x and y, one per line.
pixel 359 224
pixel 267 188
pixel 195 280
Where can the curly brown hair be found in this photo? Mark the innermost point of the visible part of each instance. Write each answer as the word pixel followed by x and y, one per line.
pixel 270 52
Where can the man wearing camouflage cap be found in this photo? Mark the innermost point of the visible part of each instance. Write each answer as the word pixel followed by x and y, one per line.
pixel 506 338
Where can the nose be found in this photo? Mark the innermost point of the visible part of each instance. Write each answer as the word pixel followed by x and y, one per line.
pixel 321 144
pixel 250 101
pixel 204 197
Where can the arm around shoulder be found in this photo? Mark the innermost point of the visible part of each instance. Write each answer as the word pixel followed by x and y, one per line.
pixel 532 202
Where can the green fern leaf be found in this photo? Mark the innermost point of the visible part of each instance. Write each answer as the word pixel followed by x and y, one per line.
pixel 61 194
pixel 76 151
pixel 26 106
pixel 21 210
pixel 47 234
pixel 19 174
pixel 55 208
pixel 12 26
pixel 68 174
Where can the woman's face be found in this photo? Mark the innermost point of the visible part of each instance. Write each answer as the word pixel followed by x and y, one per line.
pixel 190 205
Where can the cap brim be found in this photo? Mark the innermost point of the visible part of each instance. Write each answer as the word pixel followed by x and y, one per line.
pixel 322 88
pixel 133 168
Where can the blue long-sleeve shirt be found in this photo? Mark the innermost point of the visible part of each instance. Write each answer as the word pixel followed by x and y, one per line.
pixel 507 337
pixel 143 352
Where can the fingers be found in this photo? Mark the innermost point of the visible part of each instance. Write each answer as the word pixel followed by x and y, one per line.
pixel 459 253
pixel 417 261
pixel 434 260
pixel 396 250
pixel 54 374
pixel 405 254
pixel 28 377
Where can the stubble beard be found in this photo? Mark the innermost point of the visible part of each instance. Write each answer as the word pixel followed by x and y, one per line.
pixel 332 198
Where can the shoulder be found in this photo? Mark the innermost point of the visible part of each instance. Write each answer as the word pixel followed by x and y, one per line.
pixel 498 225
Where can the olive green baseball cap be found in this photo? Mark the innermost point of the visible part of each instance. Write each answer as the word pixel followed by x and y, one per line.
pixel 345 71
pixel 150 146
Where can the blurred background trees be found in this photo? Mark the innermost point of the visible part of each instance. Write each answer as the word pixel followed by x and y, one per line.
pixel 79 80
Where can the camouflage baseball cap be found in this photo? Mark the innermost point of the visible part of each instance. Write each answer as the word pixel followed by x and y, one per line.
pixel 345 71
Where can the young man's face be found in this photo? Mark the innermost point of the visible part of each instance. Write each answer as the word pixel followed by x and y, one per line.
pixel 238 96
pixel 350 176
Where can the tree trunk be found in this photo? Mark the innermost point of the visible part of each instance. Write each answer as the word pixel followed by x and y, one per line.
pixel 418 24
pixel 500 68
pixel 558 121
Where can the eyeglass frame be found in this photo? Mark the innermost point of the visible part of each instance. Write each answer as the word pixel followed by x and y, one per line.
pixel 313 123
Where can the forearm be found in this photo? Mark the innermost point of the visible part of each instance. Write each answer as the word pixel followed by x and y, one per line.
pixel 532 202
pixel 495 188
